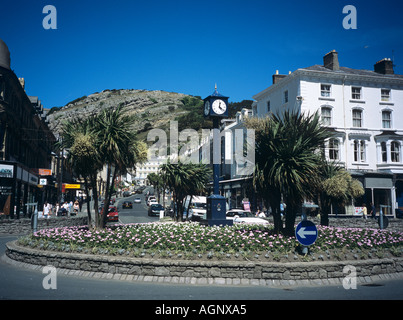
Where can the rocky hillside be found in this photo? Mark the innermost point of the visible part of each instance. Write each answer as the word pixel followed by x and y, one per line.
pixel 152 108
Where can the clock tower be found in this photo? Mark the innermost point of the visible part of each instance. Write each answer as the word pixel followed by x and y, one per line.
pixel 216 108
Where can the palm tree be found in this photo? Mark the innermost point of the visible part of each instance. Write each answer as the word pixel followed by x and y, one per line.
pixel 335 186
pixel 286 160
pixel 184 179
pixel 156 181
pixel 79 137
pixel 118 148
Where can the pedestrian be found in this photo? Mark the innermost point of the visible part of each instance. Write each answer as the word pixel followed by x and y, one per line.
pixel 76 206
pixel 364 211
pixel 373 210
pixel 46 211
pixel 70 206
pixel 282 209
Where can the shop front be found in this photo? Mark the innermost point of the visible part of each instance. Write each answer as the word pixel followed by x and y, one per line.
pixel 17 188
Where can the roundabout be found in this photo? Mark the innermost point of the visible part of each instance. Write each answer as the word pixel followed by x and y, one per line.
pixel 208 265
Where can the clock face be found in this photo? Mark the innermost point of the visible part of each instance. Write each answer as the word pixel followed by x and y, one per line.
pixel 206 108
pixel 219 106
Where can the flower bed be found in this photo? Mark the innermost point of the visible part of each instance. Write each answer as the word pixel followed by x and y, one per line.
pixel 238 242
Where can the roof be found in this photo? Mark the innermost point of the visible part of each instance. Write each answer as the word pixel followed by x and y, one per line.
pixel 350 71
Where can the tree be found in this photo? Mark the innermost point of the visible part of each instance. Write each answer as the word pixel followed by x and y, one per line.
pixel 286 160
pixel 184 179
pixel 79 137
pixel 102 139
pixel 335 186
pixel 118 149
pixel 156 181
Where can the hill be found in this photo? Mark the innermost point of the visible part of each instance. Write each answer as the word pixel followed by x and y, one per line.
pixel 152 109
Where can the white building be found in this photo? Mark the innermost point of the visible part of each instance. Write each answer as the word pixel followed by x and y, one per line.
pixel 365 111
pixel 144 169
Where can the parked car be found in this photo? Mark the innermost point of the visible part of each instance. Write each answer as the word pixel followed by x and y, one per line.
pixel 151 199
pixel 127 204
pixel 155 209
pixel 242 216
pixel 113 214
pixel 137 200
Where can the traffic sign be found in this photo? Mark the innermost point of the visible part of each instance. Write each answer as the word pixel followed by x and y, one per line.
pixel 306 233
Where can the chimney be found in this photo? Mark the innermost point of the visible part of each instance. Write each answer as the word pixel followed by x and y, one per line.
pixel 331 61
pixel 277 77
pixel 384 66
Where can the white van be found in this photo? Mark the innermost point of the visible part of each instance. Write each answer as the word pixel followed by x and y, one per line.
pixel 197 207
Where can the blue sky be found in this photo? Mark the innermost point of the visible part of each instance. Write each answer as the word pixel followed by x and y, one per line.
pixel 188 46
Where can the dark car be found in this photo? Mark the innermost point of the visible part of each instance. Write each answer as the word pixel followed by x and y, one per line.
pixel 127 204
pixel 155 209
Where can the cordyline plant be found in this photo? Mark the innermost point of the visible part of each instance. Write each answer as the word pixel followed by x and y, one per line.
pixel 286 159
pixel 103 139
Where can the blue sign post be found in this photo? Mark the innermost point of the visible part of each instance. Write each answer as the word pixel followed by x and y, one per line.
pixel 306 233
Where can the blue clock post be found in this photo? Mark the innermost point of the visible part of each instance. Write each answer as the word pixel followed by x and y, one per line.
pixel 216 108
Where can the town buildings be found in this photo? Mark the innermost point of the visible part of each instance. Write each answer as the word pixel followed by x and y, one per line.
pixel 26 144
pixel 364 110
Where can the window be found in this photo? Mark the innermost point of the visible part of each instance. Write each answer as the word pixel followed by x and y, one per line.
pixel 356 93
pixel 385 94
pixel 357 118
pixel 395 151
pixel 359 151
pixel 384 152
pixel 325 90
pixel 285 96
pixel 326 116
pixel 334 149
pixel 386 119
pixel 268 106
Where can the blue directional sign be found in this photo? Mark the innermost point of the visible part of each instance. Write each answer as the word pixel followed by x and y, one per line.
pixel 306 233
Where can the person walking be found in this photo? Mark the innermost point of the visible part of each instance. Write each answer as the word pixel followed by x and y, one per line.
pixel 364 211
pixel 373 210
pixel 46 212
pixel 76 207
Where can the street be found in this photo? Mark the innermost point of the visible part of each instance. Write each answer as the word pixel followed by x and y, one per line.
pixel 19 282
pixel 138 214
pixel 25 284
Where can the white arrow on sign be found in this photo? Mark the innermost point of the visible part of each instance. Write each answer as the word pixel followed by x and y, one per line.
pixel 302 233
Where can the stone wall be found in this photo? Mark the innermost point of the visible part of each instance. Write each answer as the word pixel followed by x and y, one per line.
pixel 23 226
pixel 358 222
pixel 205 272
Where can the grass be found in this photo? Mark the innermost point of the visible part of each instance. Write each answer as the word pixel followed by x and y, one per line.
pixel 192 241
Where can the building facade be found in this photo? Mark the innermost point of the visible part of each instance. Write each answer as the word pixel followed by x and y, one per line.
pixel 25 145
pixel 364 110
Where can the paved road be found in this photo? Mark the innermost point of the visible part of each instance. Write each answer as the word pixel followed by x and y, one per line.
pixel 139 212
pixel 17 282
